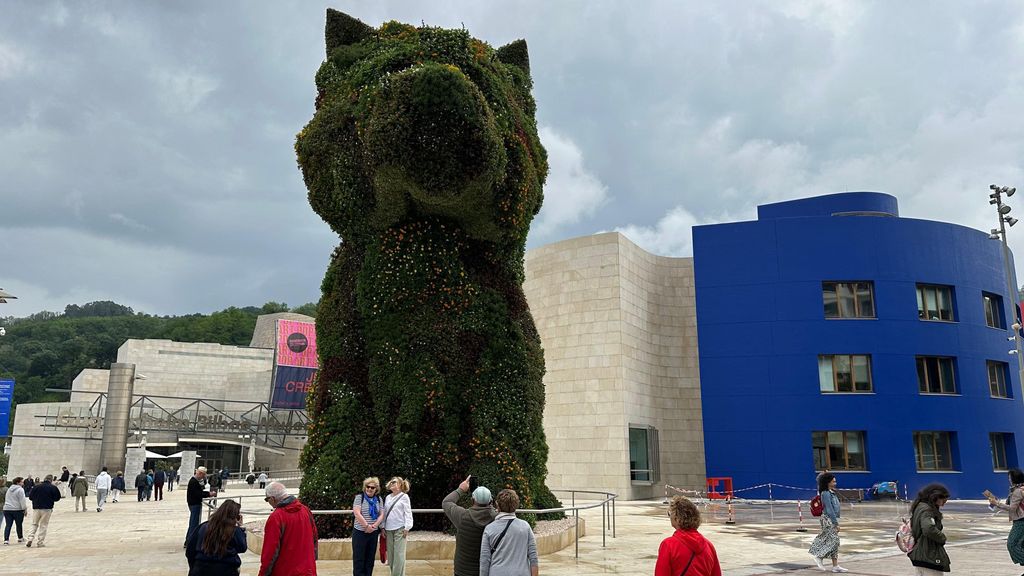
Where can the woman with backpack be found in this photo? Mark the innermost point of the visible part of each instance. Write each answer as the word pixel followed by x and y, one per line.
pixel 366 510
pixel 686 552
pixel 826 543
pixel 929 554
pixel 1015 541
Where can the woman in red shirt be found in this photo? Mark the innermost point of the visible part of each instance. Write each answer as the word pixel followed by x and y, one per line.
pixel 686 552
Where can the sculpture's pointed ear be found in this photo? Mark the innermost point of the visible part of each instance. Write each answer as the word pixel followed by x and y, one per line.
pixel 515 54
pixel 342 30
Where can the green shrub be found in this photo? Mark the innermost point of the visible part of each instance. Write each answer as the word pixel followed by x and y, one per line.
pixel 423 156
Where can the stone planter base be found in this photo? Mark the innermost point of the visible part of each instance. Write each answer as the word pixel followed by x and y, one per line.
pixel 429 549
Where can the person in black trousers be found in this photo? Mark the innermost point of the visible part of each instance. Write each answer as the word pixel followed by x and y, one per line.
pixel 141 483
pixel 158 485
pixel 194 495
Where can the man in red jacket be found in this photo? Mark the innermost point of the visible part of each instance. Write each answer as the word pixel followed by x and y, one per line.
pixel 289 537
pixel 686 552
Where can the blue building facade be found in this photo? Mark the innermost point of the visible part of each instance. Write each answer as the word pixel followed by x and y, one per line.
pixel 834 334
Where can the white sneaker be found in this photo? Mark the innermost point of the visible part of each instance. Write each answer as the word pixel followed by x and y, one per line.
pixel 838 569
pixel 817 561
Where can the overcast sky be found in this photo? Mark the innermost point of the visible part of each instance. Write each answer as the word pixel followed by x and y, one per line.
pixel 146 147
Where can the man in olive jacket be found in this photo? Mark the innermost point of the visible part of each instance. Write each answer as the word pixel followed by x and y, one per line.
pixel 469 526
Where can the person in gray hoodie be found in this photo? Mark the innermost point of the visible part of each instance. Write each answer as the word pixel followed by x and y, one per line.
pixel 102 484
pixel 15 506
pixel 508 547
pixel 469 526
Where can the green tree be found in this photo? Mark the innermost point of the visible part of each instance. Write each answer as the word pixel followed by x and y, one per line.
pixel 274 307
pixel 104 308
pixel 47 351
pixel 309 309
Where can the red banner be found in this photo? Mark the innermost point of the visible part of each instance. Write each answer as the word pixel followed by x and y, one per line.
pixel 296 344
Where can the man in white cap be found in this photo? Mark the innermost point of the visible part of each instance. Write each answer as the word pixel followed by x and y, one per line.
pixel 469 526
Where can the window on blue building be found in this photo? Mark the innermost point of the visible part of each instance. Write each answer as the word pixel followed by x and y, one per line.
pixel 1002 446
pixel 848 299
pixel 844 373
pixel 994 317
pixel 997 377
pixel 935 302
pixel 838 450
pixel 934 450
pixel 935 375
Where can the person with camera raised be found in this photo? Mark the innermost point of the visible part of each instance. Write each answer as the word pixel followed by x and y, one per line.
pixel 469 525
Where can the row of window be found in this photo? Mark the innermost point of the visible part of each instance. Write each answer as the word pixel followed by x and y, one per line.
pixel 934 302
pixel 933 451
pixel 851 373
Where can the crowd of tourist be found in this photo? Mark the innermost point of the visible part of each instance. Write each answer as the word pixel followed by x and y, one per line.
pixel 490 540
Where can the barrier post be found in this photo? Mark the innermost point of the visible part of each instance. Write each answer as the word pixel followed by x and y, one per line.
pixel 732 519
pixel 800 512
pixel 771 502
pixel 576 516
pixel 604 523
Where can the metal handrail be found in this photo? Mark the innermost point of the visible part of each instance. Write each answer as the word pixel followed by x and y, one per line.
pixel 273 475
pixel 607 511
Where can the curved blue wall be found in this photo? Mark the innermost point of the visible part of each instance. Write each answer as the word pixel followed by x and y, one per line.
pixel 761 327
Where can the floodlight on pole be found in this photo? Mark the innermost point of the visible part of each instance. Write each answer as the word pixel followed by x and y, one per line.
pixel 996 199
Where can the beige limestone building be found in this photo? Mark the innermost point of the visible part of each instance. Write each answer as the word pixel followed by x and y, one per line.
pixel 206 398
pixel 623 410
pixel 619 330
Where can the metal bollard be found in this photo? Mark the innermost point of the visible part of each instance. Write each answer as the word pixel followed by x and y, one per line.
pixel 732 519
pixel 800 512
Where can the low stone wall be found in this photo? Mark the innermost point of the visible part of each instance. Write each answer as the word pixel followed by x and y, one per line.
pixel 427 549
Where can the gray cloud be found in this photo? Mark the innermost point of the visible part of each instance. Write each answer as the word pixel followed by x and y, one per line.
pixel 147 152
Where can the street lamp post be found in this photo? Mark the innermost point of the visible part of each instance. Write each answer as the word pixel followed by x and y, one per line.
pixel 1003 213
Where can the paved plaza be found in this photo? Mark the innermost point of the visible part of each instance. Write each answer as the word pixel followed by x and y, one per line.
pixel 145 538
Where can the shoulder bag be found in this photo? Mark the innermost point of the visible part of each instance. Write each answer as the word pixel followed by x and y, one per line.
pixel 687 569
pixel 502 535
